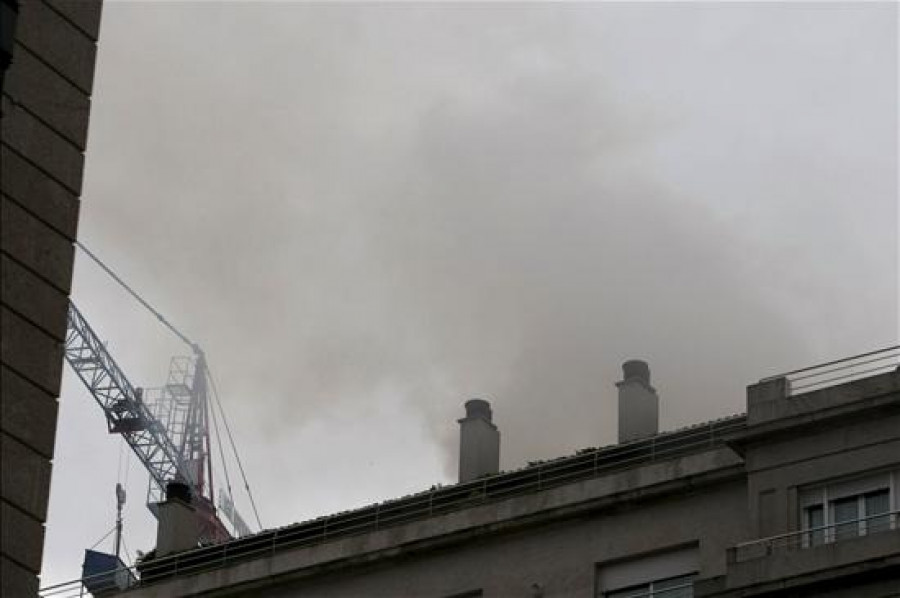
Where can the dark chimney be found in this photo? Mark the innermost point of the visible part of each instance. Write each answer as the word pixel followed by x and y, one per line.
pixel 479 442
pixel 638 402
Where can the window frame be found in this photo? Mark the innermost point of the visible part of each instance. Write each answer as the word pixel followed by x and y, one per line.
pixel 827 497
pixel 636 570
pixel 651 590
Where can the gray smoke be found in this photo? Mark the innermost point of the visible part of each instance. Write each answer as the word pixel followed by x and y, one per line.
pixel 454 201
pixel 373 213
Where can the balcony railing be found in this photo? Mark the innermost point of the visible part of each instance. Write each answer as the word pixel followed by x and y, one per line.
pixel 841 371
pixel 815 536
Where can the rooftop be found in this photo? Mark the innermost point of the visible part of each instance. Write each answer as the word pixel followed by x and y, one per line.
pixel 836 385
pixel 439 500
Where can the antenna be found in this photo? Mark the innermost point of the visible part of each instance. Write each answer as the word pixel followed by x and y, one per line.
pixel 120 502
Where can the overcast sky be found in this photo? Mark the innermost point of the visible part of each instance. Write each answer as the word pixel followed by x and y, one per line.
pixel 368 214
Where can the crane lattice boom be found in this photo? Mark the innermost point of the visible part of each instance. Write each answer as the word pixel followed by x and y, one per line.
pixel 172 445
pixel 125 411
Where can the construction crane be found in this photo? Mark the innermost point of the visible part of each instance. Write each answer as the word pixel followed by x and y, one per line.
pixel 150 436
pixel 168 429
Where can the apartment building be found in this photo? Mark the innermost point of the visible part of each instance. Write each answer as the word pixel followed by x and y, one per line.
pixel 798 497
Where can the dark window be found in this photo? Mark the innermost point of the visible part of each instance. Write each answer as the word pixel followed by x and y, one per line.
pixel 862 514
pixel 672 587
pixel 815 519
pixel 846 517
pixel 847 509
pixel 877 503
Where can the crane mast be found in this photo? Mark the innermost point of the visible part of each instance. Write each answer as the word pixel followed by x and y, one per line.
pixel 195 445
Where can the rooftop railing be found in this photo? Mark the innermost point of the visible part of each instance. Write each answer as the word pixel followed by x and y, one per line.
pixel 841 371
pixel 815 536
pixel 108 583
pixel 442 500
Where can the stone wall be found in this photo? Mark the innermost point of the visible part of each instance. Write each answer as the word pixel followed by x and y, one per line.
pixel 45 108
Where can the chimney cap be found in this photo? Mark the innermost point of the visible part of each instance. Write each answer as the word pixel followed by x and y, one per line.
pixel 479 408
pixel 636 368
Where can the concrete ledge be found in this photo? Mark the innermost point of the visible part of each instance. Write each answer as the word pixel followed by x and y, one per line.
pixel 825 559
pixel 676 475
pixel 850 563
pixel 769 401
pixel 762 397
pixel 773 417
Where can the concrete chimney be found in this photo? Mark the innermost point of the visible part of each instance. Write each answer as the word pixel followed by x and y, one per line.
pixel 179 526
pixel 479 442
pixel 638 402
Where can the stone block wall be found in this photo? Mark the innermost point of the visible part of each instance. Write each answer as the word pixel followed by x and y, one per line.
pixel 43 135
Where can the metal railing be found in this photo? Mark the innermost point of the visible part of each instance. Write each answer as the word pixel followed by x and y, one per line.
pixel 584 465
pixel 815 536
pixel 105 584
pixel 841 371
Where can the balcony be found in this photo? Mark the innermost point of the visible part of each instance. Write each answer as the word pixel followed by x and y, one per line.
pixel 832 389
pixel 859 553
pixel 840 371
pixel 815 537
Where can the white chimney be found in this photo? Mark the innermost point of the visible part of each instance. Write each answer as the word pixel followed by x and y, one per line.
pixel 479 442
pixel 638 402
pixel 179 526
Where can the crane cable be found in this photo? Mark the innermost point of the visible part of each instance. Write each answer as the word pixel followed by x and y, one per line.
pixel 127 552
pixel 105 536
pixel 215 422
pixel 134 294
pixel 233 446
pixel 196 348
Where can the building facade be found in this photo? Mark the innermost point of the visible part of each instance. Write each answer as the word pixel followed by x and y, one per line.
pixel 798 497
pixel 48 55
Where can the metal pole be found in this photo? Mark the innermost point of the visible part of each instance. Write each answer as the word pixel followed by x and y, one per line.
pixel 120 502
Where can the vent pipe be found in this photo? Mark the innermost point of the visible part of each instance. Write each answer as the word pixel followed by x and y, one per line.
pixel 638 402
pixel 479 442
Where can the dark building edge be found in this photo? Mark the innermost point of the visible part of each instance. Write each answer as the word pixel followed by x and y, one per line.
pixel 48 58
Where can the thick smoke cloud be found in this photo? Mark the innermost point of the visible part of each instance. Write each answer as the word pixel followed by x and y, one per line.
pixel 368 214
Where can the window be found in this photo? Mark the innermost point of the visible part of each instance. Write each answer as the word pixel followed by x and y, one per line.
pixel 815 520
pixel 673 587
pixel 876 506
pixel 664 574
pixel 843 510
pixel 845 514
